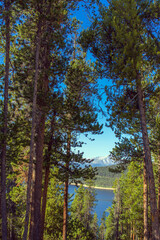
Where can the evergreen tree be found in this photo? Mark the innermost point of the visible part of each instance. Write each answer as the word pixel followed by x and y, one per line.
pixel 79 116
pixel 54 208
pixel 82 217
pixel 125 220
pixel 30 172
pixel 123 43
pixel 102 227
pixel 95 227
pixel 5 122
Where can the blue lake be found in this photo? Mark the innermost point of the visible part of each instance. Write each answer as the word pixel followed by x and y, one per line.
pixel 104 200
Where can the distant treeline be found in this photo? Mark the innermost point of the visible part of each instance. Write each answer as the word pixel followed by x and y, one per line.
pixel 105 178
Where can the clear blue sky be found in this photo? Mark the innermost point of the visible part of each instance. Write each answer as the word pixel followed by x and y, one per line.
pixel 103 143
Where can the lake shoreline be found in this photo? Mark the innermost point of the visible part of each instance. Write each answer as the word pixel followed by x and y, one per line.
pixel 103 188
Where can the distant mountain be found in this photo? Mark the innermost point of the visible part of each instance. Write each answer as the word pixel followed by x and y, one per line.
pixel 102 162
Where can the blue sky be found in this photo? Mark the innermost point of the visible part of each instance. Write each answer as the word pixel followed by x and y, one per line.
pixel 103 143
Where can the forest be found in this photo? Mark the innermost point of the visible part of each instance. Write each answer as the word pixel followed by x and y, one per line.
pixel 106 176
pixel 50 73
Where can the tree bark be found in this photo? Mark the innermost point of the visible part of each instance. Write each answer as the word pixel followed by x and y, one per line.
pixel 159 180
pixel 30 171
pixel 38 176
pixel 4 140
pixel 148 163
pixel 32 205
pixel 117 211
pixel 42 110
pixel 47 173
pixel 65 207
pixel 145 204
pixel 0 213
pixel 46 181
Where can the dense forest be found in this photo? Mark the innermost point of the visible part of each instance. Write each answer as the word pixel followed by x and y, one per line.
pixel 106 177
pixel 50 96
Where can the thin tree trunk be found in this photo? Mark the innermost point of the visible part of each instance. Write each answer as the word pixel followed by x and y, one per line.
pixel 117 211
pixel 44 202
pixel 4 143
pixel 47 173
pixel 12 210
pixel 159 180
pixel 38 175
pixel 145 204
pixel 133 235
pixel 148 164
pixel 30 171
pixel 65 207
pixel 0 213
pixel 32 205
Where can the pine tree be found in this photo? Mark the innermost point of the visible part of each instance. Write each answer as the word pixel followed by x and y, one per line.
pixel 125 219
pixel 102 227
pixel 94 226
pixel 5 123
pixel 30 172
pixel 43 17
pixel 120 40
pixel 54 208
pixel 81 214
pixel 79 115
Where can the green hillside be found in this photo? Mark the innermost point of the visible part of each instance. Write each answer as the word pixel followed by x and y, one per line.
pixel 105 178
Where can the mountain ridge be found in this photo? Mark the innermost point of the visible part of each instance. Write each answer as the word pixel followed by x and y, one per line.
pixel 102 161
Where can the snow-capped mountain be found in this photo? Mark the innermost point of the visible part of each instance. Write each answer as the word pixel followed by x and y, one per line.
pixel 102 162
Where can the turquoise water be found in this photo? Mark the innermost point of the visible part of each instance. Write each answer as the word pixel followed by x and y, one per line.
pixel 104 200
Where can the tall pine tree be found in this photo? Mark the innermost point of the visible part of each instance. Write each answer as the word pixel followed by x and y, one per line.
pixel 126 48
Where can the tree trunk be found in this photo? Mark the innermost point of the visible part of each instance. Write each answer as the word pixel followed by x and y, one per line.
pixel 65 207
pixel 159 181
pixel 46 181
pixel 0 213
pixel 4 140
pixel 148 164
pixel 145 204
pixel 133 235
pixel 32 205
pixel 117 211
pixel 42 110
pixel 47 172
pixel 30 171
pixel 38 175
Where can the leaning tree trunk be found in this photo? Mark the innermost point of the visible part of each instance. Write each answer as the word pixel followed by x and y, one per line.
pixel 30 172
pixel 145 204
pixel 148 163
pixel 4 140
pixel 65 207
